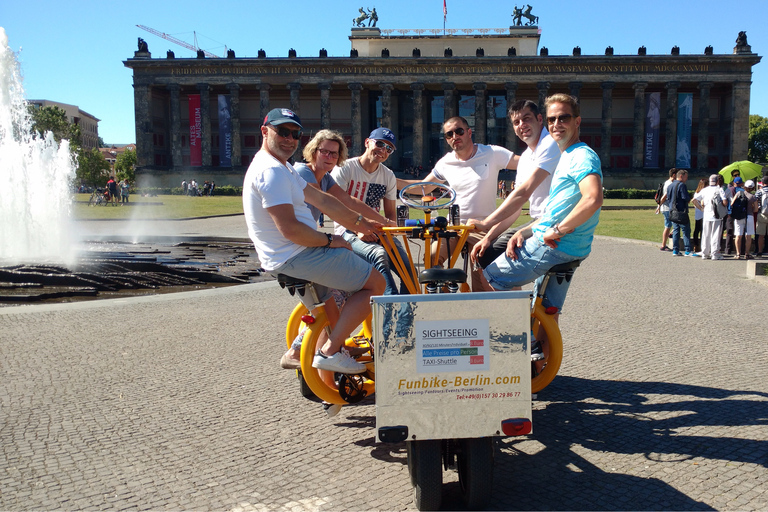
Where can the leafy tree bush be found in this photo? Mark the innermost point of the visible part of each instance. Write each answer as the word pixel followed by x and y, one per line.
pixel 758 139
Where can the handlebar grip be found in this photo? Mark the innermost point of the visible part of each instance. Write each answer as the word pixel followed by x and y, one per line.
pixel 413 222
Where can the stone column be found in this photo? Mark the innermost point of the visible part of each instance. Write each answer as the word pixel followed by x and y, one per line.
pixel 510 139
pixel 325 105
pixel 481 111
pixel 543 88
pixel 175 118
pixel 703 151
pixel 386 105
pixel 740 121
pixel 263 106
pixel 418 123
pixel 450 101
pixel 670 152
pixel 357 135
pixel 575 89
pixel 237 149
pixel 605 131
pixel 296 107
pixel 638 136
pixel 142 100
pixel 205 122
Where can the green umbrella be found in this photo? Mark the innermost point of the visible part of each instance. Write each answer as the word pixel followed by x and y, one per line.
pixel 748 170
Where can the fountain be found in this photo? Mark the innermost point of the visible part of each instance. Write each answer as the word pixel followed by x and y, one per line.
pixel 36 175
pixel 41 258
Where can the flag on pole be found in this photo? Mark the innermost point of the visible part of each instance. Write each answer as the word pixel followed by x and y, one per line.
pixel 445 11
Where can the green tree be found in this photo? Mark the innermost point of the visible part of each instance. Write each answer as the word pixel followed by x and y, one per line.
pixel 92 167
pixel 758 139
pixel 125 166
pixel 54 119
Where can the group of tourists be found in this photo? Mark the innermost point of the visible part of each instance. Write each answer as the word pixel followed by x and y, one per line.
pixel 192 188
pixel 726 218
pixel 558 174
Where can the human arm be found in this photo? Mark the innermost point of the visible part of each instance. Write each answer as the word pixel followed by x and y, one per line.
pixel 299 233
pixel 518 239
pixel 401 184
pixel 359 206
pixel 591 189
pixel 514 201
pixel 332 207
pixel 482 245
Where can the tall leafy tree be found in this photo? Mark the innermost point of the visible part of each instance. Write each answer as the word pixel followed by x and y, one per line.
pixel 93 168
pixel 758 139
pixel 54 119
pixel 125 165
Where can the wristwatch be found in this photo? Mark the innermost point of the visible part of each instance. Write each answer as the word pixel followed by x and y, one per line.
pixel 359 220
pixel 330 239
pixel 556 229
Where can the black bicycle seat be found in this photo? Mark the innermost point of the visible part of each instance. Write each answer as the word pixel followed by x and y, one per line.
pixel 565 267
pixel 292 283
pixel 442 275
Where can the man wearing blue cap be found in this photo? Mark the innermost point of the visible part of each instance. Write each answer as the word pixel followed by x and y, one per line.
pixel 286 239
pixel 367 178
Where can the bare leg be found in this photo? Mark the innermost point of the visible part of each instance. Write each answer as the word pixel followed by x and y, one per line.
pixel 356 309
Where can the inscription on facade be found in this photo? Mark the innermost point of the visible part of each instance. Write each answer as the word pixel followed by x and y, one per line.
pixel 514 69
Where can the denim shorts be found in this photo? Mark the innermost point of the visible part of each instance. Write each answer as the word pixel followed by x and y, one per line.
pixel 327 268
pixel 533 261
pixel 667 222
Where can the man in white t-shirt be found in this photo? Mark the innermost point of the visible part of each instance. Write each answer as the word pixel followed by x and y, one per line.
pixel 706 199
pixel 472 170
pixel 286 239
pixel 367 179
pixel 534 177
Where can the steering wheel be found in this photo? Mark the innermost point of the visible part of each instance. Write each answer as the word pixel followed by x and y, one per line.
pixel 441 196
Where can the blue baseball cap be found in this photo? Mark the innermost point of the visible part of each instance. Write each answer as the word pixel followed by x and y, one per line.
pixel 278 116
pixel 737 180
pixel 383 134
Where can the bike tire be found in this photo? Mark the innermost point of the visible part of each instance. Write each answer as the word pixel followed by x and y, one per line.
pixel 545 371
pixel 425 463
pixel 475 467
pixel 295 324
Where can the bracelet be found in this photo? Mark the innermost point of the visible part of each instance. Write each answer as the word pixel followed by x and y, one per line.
pixel 556 229
pixel 330 240
pixel 359 220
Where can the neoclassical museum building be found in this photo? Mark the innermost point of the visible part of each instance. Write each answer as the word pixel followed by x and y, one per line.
pixel 199 118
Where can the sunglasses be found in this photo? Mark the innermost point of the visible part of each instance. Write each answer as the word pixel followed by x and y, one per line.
pixel 285 132
pixel 562 119
pixel 458 132
pixel 389 149
pixel 328 153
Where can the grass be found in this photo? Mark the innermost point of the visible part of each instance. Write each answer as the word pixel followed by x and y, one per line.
pixel 639 222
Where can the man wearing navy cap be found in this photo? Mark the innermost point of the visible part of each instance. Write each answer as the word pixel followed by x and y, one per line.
pixel 367 178
pixel 286 240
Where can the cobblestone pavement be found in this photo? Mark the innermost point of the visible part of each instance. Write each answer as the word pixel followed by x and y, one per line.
pixel 178 402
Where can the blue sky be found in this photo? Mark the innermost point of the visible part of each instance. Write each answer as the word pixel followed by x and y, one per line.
pixel 72 51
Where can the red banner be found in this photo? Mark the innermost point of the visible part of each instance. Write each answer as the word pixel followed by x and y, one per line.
pixel 195 132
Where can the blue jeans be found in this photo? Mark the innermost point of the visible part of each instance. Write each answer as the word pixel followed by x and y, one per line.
pixel 377 256
pixel 533 261
pixel 676 236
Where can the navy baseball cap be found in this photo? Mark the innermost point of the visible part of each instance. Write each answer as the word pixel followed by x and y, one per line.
pixel 737 180
pixel 384 134
pixel 278 116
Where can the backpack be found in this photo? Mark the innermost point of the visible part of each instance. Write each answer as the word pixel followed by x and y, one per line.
pixel 739 206
pixel 718 209
pixel 659 193
pixel 762 213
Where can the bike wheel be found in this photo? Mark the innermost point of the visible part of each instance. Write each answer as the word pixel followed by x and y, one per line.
pixel 544 371
pixel 322 383
pixel 475 465
pixel 92 201
pixel 425 464
pixel 295 324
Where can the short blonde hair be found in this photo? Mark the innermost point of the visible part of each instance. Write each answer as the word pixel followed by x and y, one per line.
pixel 311 148
pixel 566 99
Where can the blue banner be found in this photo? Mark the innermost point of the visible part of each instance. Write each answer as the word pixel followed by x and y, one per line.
pixel 225 131
pixel 652 123
pixel 684 122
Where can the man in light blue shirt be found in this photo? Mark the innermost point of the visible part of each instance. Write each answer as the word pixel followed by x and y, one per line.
pixel 565 231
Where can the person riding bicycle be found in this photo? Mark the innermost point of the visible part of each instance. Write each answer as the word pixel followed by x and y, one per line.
pixel 286 239
pixel 566 230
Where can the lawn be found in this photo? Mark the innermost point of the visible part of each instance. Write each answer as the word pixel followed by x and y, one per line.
pixel 634 218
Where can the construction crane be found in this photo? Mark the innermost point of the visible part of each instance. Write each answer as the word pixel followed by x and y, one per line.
pixel 179 42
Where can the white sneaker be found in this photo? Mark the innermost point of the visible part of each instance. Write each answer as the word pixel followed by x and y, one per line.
pixel 340 362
